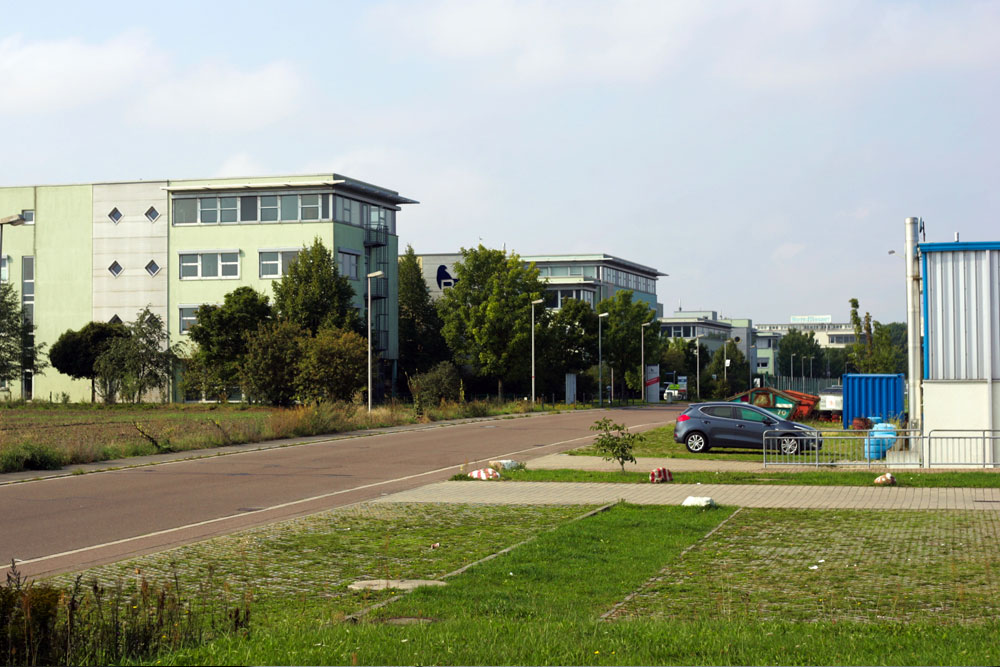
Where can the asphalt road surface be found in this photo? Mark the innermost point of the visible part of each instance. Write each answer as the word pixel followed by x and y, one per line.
pixel 71 523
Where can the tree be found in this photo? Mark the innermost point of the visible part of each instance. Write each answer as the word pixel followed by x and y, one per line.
pixel 487 314
pixel 622 336
pixel 19 354
pixel 313 294
pixel 421 344
pixel 138 362
pixel 331 366
pixel 75 353
pixel 220 333
pixel 615 442
pixel 269 368
pixel 731 380
pixel 875 350
pixel 801 344
pixel 565 342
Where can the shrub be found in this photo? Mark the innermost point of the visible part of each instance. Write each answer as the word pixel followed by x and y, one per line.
pixel 30 456
pixel 615 443
pixel 441 383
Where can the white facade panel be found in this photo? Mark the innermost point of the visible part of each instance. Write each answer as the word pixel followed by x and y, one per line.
pixel 962 314
pixel 129 233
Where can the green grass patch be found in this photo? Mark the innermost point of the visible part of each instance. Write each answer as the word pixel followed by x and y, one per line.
pixel 659 443
pixel 887 588
pixel 967 479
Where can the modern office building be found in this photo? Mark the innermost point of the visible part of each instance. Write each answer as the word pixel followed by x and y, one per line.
pixel 712 331
pixel 828 333
pixel 589 278
pixel 105 251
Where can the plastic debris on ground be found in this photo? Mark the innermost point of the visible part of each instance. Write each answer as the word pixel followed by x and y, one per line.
pixel 506 464
pixel 660 475
pixel 484 473
pixel 698 501
pixel 886 480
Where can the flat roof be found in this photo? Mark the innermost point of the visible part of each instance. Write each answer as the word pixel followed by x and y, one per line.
pixel 601 257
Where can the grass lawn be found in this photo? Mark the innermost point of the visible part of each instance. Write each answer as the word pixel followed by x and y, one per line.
pixel 766 587
pixel 970 479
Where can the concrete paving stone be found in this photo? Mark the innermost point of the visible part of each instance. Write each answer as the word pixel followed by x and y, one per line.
pixel 807 497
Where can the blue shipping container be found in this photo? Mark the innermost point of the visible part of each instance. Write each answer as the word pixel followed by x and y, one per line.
pixel 872 395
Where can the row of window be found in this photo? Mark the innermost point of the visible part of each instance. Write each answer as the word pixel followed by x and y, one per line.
pixel 557 297
pixel 225 264
pixel 264 208
pixel 564 271
pixel 629 280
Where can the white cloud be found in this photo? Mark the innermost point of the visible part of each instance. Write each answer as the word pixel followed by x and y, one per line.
pixel 51 76
pixel 220 97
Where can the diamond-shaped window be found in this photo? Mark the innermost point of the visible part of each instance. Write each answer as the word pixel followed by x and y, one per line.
pixel 115 215
pixel 152 214
pixel 152 268
pixel 115 320
pixel 115 269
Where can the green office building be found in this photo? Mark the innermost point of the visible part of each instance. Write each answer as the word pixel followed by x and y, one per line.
pixel 105 251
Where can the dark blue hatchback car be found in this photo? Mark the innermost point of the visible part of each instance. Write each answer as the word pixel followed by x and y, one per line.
pixel 706 425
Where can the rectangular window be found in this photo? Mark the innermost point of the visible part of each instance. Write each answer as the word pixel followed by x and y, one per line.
pixel 326 207
pixel 576 270
pixel 187 317
pixel 208 209
pixel 29 216
pixel 227 209
pixel 347 264
pixel 269 208
pixel 4 272
pixel 558 271
pixel 28 288
pixel 185 211
pixel 195 266
pixel 289 207
pixel 310 207
pixel 274 263
pixel 248 209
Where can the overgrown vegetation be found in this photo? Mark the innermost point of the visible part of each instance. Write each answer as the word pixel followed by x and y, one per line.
pixel 94 624
pixel 47 436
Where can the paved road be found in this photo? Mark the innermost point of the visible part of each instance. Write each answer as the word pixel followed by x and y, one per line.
pixel 69 523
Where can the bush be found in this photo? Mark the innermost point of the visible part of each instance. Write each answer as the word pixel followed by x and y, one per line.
pixel 441 383
pixel 615 443
pixel 30 456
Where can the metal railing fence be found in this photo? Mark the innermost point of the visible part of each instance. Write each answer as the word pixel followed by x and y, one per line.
pixel 834 448
pixel 963 448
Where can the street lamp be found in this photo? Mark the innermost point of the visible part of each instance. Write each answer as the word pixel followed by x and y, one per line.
pixel 533 304
pixel 642 360
pixel 791 369
pixel 697 365
pixel 13 221
pixel 375 274
pixel 600 360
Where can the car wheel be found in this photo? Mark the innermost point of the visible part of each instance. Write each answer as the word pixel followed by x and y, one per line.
pixel 696 443
pixel 789 445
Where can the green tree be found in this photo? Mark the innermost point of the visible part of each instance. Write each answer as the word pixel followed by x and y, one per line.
pixel 138 362
pixel 421 344
pixel 835 361
pixel 677 358
pixel 313 294
pixel 19 353
pixel 803 345
pixel 731 380
pixel 622 337
pixel 220 333
pixel 331 366
pixel 565 342
pixel 875 350
pixel 270 366
pixel 75 353
pixel 615 442
pixel 487 314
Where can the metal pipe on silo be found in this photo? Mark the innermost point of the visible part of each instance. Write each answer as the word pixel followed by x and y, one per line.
pixel 914 375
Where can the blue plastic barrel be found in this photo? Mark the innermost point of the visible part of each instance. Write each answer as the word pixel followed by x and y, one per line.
pixel 879 440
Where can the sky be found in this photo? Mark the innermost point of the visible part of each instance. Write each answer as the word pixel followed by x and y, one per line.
pixel 764 154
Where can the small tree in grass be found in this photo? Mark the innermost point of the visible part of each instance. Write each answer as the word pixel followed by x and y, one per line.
pixel 615 443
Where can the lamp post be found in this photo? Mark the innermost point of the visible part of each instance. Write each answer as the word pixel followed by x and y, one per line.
pixel 642 360
pixel 791 369
pixel 13 221
pixel 810 366
pixel 533 304
pixel 600 360
pixel 375 274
